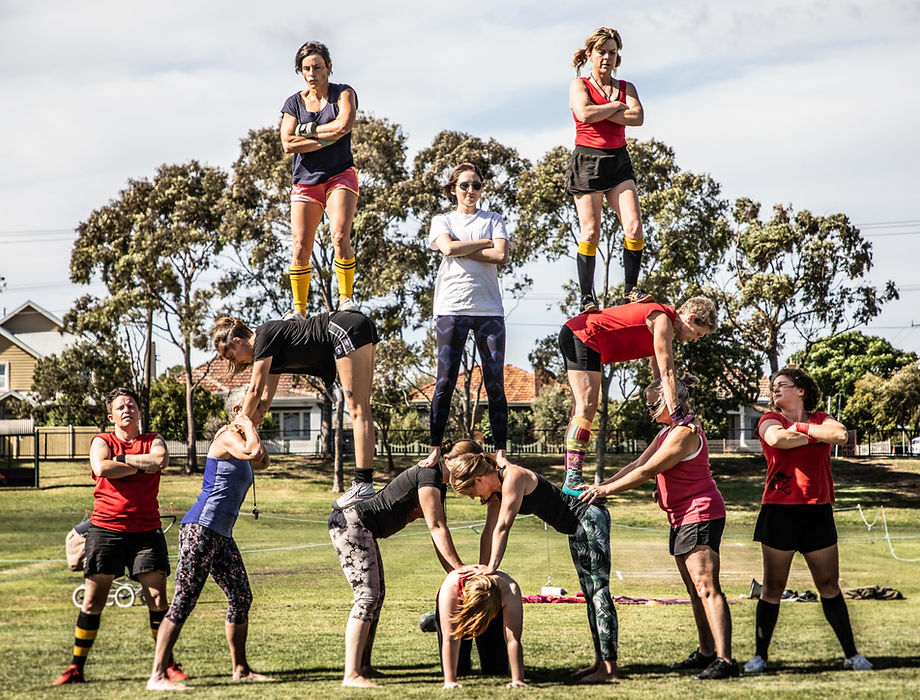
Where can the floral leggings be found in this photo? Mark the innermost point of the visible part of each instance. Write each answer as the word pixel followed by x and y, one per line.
pixel 590 549
pixel 361 563
pixel 201 552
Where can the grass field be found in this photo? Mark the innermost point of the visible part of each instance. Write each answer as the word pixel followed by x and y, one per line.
pixel 302 599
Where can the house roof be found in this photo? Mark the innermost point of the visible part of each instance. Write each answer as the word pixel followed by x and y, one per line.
pixel 520 387
pixel 37 343
pixel 214 376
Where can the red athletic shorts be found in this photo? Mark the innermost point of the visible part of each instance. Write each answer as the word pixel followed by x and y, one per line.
pixel 319 192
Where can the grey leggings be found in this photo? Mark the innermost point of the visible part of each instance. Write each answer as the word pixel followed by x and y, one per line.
pixel 361 563
pixel 590 549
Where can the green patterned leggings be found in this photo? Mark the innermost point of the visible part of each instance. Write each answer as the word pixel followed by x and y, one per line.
pixel 590 548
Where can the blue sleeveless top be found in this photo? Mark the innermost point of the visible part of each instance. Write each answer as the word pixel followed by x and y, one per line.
pixel 318 166
pixel 223 491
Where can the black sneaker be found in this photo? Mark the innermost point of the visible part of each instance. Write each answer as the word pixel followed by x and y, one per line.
pixel 717 670
pixel 693 662
pixel 589 304
pixel 637 295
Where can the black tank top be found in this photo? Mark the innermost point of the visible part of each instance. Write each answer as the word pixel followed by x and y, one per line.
pixel 559 510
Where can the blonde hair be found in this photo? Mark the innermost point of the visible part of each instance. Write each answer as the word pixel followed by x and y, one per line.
pixel 480 601
pixel 705 311
pixel 226 328
pixel 683 394
pixel 598 37
pixel 464 468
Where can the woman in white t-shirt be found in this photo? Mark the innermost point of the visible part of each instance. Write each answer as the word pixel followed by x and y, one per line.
pixel 467 297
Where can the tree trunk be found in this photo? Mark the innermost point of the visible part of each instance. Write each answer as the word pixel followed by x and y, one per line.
pixel 603 415
pixel 191 457
pixel 148 369
pixel 337 472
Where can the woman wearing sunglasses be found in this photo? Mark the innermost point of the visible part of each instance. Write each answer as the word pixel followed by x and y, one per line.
pixel 796 513
pixel 600 168
pixel 678 460
pixel 468 297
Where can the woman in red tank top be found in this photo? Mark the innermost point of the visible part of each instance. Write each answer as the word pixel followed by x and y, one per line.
pixel 600 167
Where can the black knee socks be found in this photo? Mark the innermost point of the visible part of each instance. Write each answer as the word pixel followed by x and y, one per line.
pixel 835 610
pixel 632 261
pixel 84 636
pixel 585 265
pixel 767 613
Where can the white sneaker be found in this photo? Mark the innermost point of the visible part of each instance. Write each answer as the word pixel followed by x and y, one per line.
pixel 755 665
pixel 292 314
pixel 347 304
pixel 858 662
pixel 357 492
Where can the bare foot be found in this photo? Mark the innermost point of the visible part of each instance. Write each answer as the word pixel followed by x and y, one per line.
pixel 433 458
pixel 371 672
pixel 359 682
pixel 251 675
pixel 601 675
pixel 163 683
pixel 587 670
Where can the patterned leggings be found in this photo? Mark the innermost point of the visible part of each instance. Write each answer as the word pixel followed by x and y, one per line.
pixel 489 334
pixel 590 548
pixel 201 552
pixel 361 563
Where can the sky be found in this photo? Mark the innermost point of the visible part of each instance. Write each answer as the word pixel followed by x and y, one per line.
pixel 808 102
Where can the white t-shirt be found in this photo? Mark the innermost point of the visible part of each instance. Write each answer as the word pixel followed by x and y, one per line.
pixel 467 287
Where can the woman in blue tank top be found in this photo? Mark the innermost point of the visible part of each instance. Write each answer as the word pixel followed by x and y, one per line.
pixel 512 490
pixel 206 544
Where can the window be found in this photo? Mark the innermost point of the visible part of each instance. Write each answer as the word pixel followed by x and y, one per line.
pixel 4 376
pixel 295 425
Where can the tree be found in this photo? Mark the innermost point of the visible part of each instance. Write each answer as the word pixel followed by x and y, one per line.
pixel 71 388
pixel 887 404
pixel 552 410
pixel 839 361
pixel 798 271
pixel 153 248
pixel 168 406
pixel 685 227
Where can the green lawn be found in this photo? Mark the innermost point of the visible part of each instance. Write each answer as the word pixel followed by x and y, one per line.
pixel 302 599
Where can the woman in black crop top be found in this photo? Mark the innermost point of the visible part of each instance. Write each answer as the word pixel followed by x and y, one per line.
pixel 512 490
pixel 319 346
pixel 415 493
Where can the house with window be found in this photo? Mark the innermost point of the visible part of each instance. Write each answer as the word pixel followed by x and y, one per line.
pixel 27 335
pixel 296 408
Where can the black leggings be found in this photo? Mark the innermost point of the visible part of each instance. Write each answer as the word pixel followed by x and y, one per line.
pixel 489 334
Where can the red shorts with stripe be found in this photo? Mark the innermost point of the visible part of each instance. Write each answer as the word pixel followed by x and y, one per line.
pixel 318 193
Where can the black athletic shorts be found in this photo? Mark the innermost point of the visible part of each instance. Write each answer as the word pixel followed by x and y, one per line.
pixel 597 169
pixel 801 528
pixel 576 354
pixel 685 537
pixel 351 330
pixel 112 552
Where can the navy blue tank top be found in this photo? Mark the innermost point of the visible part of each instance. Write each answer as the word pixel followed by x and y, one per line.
pixel 223 491
pixel 318 166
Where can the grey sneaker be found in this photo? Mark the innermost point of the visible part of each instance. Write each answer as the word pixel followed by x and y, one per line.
pixel 858 662
pixel 359 491
pixel 757 664
pixel 347 304
pixel 293 314
pixel 588 304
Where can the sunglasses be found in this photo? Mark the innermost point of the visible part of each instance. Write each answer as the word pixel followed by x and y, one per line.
pixel 653 406
pixel 475 184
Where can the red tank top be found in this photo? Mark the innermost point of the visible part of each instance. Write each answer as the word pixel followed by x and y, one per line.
pixel 129 503
pixel 619 333
pixel 687 492
pixel 603 133
pixel 801 475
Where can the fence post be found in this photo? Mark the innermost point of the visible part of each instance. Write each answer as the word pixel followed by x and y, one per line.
pixel 72 444
pixel 35 455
